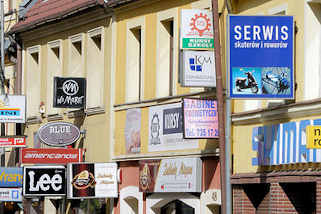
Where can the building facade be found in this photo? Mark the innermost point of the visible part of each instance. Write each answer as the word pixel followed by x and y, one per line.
pixel 273 170
pixel 146 53
pixel 67 40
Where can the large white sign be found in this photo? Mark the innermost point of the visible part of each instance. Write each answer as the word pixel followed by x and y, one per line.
pixel 12 109
pixel 196 29
pixel 198 69
pixel 11 194
pixel 92 180
pixel 166 129
pixel 179 175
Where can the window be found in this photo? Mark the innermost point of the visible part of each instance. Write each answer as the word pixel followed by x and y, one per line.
pixel 95 68
pixel 312 51
pixel 76 56
pixel 166 53
pixel 54 68
pixel 135 60
pixel 33 80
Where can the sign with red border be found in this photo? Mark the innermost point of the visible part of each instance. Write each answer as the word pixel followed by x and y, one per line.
pixel 12 141
pixel 51 156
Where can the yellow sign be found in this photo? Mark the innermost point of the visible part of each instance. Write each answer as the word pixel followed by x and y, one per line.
pixel 313 137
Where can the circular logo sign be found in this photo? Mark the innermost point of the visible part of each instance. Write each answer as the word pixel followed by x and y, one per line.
pixel 70 87
pixel 58 133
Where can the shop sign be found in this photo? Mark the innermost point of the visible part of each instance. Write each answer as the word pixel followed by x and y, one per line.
pixel 12 141
pixel 58 133
pixel 69 92
pixel 261 57
pixel 200 118
pixel 132 131
pixel 196 29
pixel 171 175
pixel 11 177
pixel 44 181
pixel 211 197
pixel 92 180
pixel 198 68
pixel 284 143
pixel 51 156
pixel 166 129
pixel 12 109
pixel 313 137
pixel 11 194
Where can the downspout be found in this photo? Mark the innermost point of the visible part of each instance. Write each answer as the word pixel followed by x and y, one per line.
pixel 18 81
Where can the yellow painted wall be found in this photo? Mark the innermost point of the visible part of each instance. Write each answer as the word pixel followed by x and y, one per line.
pixel 149 11
pixel 98 135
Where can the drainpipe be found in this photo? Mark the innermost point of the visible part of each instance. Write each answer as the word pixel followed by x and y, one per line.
pixel 222 115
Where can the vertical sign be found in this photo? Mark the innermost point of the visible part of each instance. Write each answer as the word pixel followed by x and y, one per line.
pixel 198 69
pixel 69 92
pixel 132 131
pixel 196 29
pixel 260 57
pixel 200 118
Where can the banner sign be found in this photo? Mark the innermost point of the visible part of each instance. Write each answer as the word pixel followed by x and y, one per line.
pixel 11 177
pixel 196 29
pixel 12 141
pixel 198 69
pixel 12 109
pixel 59 133
pixel 51 156
pixel 69 92
pixel 261 57
pixel 92 180
pixel 44 181
pixel 11 194
pixel 284 143
pixel 132 131
pixel 171 175
pixel 166 129
pixel 200 118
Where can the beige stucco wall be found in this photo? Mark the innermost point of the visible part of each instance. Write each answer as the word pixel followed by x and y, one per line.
pixel 96 121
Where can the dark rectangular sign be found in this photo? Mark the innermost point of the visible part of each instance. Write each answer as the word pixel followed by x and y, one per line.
pixel 69 92
pixel 44 180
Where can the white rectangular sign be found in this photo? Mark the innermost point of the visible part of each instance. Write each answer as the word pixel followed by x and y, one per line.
pixel 166 129
pixel 92 180
pixel 11 194
pixel 198 69
pixel 179 175
pixel 196 29
pixel 12 109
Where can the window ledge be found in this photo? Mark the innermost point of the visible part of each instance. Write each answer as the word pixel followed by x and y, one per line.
pixel 76 113
pixel 52 117
pixel 33 120
pixel 132 157
pixel 94 110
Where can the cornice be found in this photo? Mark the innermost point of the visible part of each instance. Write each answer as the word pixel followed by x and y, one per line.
pixel 288 111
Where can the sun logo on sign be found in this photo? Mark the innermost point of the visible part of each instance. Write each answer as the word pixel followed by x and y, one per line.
pixel 200 23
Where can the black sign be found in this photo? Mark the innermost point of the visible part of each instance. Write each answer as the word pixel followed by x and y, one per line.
pixel 69 92
pixel 44 181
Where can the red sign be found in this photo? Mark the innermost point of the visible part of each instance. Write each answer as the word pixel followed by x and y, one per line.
pixel 13 141
pixel 57 156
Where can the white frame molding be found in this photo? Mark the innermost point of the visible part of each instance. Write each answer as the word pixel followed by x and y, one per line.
pixel 157 200
pixel 130 192
pixel 132 24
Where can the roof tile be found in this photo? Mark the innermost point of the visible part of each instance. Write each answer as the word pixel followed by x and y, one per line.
pixel 45 10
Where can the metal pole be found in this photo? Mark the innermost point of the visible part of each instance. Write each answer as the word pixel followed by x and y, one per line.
pixel 224 155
